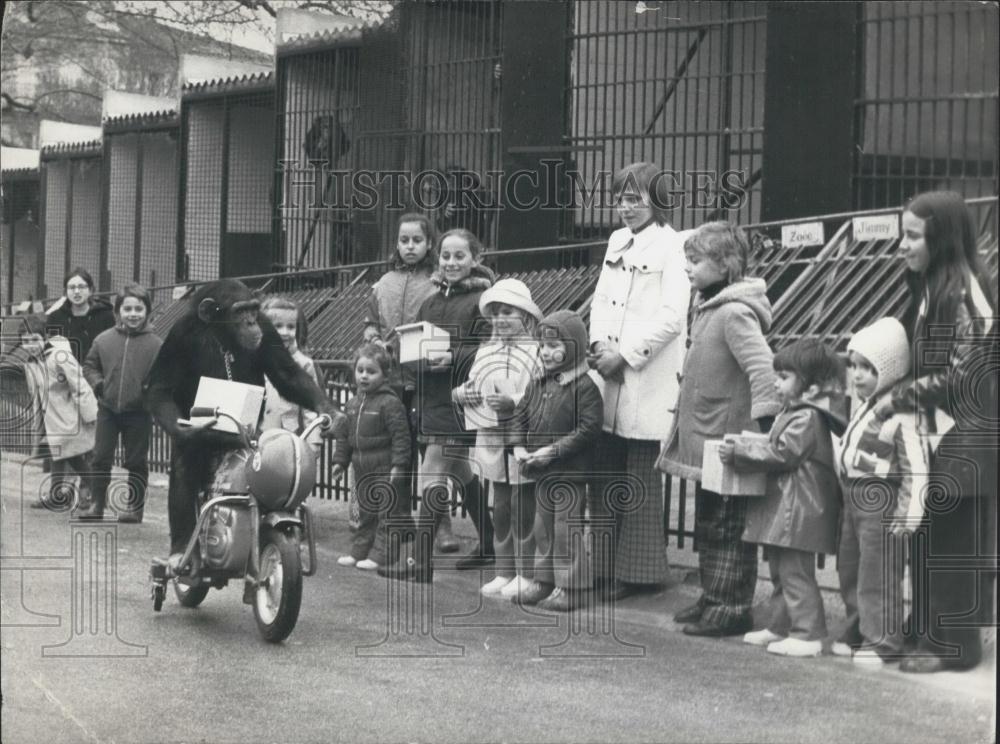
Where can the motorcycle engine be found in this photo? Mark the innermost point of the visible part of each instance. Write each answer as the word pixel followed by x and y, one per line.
pixel 226 538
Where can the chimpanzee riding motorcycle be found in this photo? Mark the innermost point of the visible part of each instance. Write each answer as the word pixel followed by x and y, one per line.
pixel 252 525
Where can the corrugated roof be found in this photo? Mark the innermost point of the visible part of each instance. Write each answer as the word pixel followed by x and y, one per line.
pixel 18 160
pixel 81 149
pixel 230 84
pixel 141 120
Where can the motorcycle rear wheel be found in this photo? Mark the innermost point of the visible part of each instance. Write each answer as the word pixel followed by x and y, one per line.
pixel 191 596
pixel 278 598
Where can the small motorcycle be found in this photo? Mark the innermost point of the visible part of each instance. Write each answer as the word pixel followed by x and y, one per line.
pixel 252 525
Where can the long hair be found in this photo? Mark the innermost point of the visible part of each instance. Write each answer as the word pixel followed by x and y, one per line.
pixel 951 245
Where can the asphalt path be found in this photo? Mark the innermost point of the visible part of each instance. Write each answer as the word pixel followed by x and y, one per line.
pixel 373 660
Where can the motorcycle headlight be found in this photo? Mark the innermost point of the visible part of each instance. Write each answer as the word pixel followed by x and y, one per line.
pixel 281 472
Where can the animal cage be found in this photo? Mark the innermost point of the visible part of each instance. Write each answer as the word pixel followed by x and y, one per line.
pixel 21 236
pixel 364 108
pixel 680 85
pixel 227 161
pixel 141 168
pixel 72 208
pixel 927 109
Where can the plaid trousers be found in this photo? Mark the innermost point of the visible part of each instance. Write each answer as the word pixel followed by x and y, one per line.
pixel 727 566
pixel 626 495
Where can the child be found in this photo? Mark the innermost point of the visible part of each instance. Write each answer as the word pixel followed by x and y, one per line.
pixel 499 376
pixel 115 367
pixel 396 299
pixel 290 323
pixel 882 471
pixel 65 406
pixel 727 385
pixel 461 279
pixel 798 516
pixel 376 441
pixel 559 421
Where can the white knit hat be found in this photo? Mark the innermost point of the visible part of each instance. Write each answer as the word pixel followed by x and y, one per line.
pixel 885 346
pixel 511 292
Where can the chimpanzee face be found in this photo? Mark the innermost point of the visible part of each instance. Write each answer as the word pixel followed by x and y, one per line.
pixel 245 328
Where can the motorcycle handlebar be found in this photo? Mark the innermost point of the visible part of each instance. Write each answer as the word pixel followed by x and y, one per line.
pixel 204 412
pixel 322 421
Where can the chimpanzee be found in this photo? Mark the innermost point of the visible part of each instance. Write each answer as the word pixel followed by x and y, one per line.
pixel 221 334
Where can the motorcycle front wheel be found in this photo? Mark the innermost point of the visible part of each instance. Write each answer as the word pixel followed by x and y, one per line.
pixel 279 594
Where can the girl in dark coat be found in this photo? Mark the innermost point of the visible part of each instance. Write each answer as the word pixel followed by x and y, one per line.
pixel 951 325
pixel 460 279
pixel 79 316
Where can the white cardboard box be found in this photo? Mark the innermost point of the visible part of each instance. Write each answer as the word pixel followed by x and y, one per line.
pixel 235 398
pixel 726 480
pixel 421 341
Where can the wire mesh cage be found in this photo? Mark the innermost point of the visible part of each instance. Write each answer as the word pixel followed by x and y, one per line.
pixel 227 135
pixel 361 116
pixel 141 233
pixel 680 86
pixel 21 236
pixel 927 110
pixel 72 207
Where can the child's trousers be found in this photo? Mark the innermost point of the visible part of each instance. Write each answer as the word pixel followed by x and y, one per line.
pixel 513 519
pixel 727 566
pixel 870 565
pixel 796 604
pixel 561 556
pixel 378 499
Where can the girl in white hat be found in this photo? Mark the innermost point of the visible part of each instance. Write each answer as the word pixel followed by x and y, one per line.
pixel 503 367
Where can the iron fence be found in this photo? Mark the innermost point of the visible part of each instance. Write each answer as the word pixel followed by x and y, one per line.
pixel 927 107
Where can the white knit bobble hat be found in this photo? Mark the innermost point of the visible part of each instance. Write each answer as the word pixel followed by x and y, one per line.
pixel 885 346
pixel 511 292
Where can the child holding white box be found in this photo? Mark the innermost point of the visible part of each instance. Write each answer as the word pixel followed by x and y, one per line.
pixel 799 515
pixel 500 374
pixel 727 385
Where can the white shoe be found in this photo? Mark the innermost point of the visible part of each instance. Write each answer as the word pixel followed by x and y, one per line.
pixel 367 564
pixel 796 647
pixel 839 648
pixel 867 657
pixel 346 560
pixel 515 587
pixel 761 637
pixel 495 586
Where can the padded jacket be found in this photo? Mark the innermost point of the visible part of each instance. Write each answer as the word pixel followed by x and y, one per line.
pixel 117 365
pixel 377 434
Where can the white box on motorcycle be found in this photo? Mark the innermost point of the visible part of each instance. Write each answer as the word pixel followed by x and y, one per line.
pixel 421 341
pixel 239 400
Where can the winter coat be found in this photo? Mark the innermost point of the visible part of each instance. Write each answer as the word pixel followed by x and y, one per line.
pixel 511 366
pixel 885 452
pixel 283 414
pixel 81 330
pixel 563 408
pixel 801 509
pixel 728 380
pixel 456 310
pixel 117 364
pixel 640 310
pixel 955 423
pixel 377 435
pixel 62 399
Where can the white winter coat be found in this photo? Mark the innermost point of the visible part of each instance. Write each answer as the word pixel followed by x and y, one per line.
pixel 640 310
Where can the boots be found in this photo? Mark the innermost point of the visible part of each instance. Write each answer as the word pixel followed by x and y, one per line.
pixel 446 542
pixel 483 555
pixel 413 563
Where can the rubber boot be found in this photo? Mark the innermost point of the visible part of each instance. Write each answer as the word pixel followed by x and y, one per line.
pixel 446 542
pixel 483 555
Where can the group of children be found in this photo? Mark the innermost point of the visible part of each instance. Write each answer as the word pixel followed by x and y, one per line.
pixel 516 386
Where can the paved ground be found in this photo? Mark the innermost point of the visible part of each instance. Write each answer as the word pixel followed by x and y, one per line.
pixel 471 671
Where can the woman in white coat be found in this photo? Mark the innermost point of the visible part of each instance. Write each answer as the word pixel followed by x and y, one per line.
pixel 638 322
